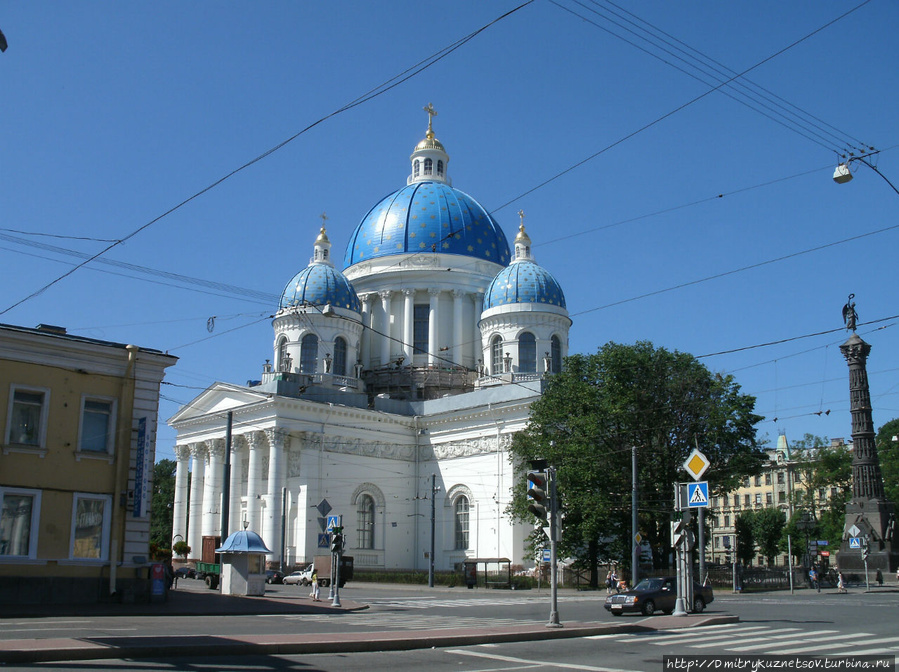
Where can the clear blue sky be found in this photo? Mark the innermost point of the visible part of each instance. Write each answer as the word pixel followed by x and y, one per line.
pixel 113 113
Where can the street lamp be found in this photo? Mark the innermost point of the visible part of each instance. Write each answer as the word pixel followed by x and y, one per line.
pixel 807 522
pixel 843 172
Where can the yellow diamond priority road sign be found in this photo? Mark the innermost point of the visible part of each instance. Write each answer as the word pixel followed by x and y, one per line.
pixel 696 464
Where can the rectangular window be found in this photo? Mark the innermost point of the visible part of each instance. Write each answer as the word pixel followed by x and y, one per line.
pixel 758 481
pixel 746 500
pixel 768 478
pixel 717 542
pixel 758 498
pixel 736 501
pixel 781 497
pixel 27 424
pixel 97 420
pixel 726 521
pixel 90 527
pixel 821 494
pixel 769 498
pixel 19 514
pixel 420 319
pixel 780 477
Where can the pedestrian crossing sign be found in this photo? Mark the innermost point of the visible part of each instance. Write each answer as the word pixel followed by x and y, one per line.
pixel 855 542
pixel 698 494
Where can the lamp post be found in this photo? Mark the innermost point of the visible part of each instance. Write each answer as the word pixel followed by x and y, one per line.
pixel 843 172
pixel 806 523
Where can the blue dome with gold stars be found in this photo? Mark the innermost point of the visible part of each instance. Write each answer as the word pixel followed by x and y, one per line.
pixel 428 216
pixel 523 282
pixel 320 285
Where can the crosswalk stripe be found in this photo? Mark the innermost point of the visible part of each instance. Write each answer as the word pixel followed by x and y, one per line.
pixel 694 635
pixel 853 651
pixel 792 640
pixel 761 637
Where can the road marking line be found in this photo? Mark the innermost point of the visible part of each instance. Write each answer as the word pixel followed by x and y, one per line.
pixel 804 640
pixel 550 664
pixel 849 652
pixel 661 640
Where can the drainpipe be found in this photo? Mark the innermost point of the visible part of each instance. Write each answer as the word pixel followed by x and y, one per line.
pixel 122 452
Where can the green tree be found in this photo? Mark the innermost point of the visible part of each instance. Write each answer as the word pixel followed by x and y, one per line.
pixel 888 452
pixel 767 530
pixel 744 529
pixel 825 483
pixel 161 504
pixel 590 416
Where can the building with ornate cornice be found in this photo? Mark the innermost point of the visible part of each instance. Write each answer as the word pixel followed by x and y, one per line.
pixel 420 359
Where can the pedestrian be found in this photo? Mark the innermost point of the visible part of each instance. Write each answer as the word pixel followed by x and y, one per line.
pixel 841 584
pixel 316 589
pixel 879 578
pixel 813 578
pixel 610 582
pixel 615 583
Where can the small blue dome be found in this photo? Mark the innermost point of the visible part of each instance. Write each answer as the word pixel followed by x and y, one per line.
pixel 244 541
pixel 523 282
pixel 424 217
pixel 320 284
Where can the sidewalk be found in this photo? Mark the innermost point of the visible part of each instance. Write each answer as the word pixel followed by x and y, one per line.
pixel 196 600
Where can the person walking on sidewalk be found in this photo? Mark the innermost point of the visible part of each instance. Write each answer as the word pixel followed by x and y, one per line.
pixel 879 577
pixel 316 589
pixel 813 578
pixel 841 584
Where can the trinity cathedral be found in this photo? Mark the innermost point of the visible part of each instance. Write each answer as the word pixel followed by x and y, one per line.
pixel 392 391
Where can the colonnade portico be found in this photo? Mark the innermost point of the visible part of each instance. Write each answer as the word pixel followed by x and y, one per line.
pixel 199 513
pixel 389 336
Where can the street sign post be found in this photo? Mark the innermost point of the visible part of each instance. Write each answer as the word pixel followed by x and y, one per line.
pixel 696 464
pixel 698 494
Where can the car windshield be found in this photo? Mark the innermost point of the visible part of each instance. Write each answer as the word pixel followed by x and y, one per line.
pixel 649 584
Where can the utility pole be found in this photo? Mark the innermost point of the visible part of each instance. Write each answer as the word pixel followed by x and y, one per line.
pixel 226 480
pixel 553 557
pixel 635 546
pixel 434 491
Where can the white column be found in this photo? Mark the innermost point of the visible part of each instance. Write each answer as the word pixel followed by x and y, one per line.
pixel 235 522
pixel 458 332
pixel 408 324
pixel 386 340
pixel 271 525
pixel 365 338
pixel 197 483
pixel 179 511
pixel 477 347
pixel 255 443
pixel 212 493
pixel 433 331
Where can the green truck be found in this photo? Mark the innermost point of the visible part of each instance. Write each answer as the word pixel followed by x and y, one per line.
pixel 209 568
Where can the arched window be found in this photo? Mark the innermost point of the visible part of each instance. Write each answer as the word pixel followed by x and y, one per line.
pixel 496 355
pixel 415 168
pixel 308 353
pixel 527 353
pixel 339 356
pixel 365 517
pixel 284 363
pixel 429 166
pixel 460 511
pixel 440 167
pixel 556 354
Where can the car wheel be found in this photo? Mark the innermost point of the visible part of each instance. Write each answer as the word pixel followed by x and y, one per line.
pixel 304 582
pixel 698 605
pixel 649 608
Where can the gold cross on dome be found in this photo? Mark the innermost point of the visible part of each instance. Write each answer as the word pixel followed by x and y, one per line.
pixel 521 216
pixel 324 218
pixel 431 114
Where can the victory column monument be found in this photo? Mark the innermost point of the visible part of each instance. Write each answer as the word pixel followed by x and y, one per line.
pixel 868 514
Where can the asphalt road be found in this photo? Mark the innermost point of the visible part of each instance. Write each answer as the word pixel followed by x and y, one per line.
pixel 806 623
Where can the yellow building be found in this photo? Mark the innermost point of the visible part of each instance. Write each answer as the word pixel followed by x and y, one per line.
pixel 77 449
pixel 779 485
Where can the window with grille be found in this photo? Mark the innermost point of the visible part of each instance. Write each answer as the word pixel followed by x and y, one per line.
pixel 496 355
pixel 365 514
pixel 461 514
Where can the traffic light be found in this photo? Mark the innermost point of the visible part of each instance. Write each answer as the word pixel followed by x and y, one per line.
pixel 538 499
pixel 337 540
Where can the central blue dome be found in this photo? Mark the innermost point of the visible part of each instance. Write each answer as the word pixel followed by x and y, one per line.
pixel 428 217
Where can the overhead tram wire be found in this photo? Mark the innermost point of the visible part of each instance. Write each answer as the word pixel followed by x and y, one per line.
pixel 393 82
pixel 703 63
pixel 664 116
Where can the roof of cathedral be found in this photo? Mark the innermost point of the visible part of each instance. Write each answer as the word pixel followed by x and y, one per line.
pixel 320 284
pixel 523 281
pixel 428 216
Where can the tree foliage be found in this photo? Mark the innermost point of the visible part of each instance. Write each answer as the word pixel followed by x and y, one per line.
pixel 162 503
pixel 888 452
pixel 594 412
pixel 767 528
pixel 744 531
pixel 823 467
